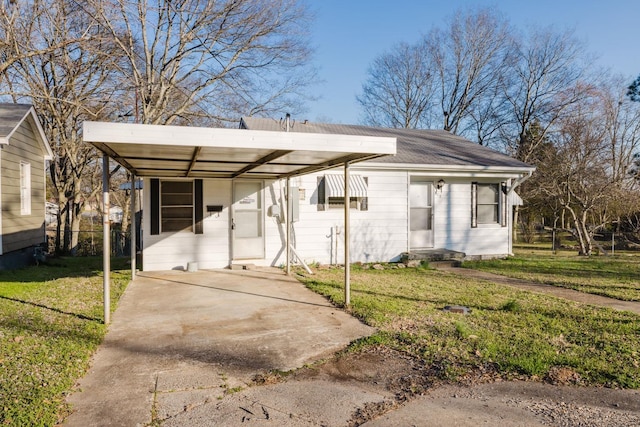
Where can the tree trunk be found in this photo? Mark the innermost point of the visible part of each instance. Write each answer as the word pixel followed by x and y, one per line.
pixel 75 229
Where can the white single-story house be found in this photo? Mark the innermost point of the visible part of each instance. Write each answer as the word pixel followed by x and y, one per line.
pixel 24 150
pixel 217 197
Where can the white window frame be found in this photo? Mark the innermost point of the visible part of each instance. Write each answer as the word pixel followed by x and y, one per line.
pixel 494 204
pixel 499 205
pixel 25 188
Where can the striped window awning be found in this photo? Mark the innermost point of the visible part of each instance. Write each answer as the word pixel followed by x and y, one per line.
pixel 334 186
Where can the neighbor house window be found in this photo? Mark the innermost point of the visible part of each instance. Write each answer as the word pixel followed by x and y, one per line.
pixel 331 192
pixel 25 188
pixel 176 206
pixel 486 203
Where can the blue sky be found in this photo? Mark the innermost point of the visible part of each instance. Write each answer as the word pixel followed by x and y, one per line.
pixel 349 34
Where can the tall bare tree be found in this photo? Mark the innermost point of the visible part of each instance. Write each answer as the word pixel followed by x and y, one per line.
pixel 398 92
pixel 469 56
pixel 195 61
pixel 546 82
pixel 67 70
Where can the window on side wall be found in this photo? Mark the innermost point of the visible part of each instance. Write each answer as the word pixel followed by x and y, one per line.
pixel 331 192
pixel 25 188
pixel 488 204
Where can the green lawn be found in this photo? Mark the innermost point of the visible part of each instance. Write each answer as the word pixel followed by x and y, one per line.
pixel 51 322
pixel 509 332
pixel 615 276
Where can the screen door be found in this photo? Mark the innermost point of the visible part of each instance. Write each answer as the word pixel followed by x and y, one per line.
pixel 421 214
pixel 247 221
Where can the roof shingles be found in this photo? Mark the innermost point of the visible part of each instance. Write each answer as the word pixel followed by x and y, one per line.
pixel 415 146
pixel 10 117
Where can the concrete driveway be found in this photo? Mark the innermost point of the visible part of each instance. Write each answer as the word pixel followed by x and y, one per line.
pixel 181 339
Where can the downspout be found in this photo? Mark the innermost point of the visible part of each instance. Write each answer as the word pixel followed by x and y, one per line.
pixel 516 183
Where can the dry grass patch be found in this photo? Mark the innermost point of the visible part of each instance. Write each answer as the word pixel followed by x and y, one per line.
pixel 513 332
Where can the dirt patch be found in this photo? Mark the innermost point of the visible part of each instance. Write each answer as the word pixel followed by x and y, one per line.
pixel 554 400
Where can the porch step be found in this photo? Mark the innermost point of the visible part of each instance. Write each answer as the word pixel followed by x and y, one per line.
pixel 433 255
pixel 242 266
pixel 445 265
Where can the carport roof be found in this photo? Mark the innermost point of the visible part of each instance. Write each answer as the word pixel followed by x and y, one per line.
pixel 178 151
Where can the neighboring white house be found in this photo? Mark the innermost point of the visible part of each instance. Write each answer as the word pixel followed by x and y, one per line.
pixel 24 151
pixel 216 196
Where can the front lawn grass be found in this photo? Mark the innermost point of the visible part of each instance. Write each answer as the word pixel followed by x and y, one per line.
pixel 51 322
pixel 509 332
pixel 615 276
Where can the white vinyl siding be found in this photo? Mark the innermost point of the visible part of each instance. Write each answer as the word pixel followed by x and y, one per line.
pixel 167 251
pixel 380 234
pixel 20 229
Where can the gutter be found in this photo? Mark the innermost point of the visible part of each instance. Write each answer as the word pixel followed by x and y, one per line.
pixel 519 181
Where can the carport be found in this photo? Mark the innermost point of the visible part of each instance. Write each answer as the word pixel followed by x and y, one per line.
pixel 195 152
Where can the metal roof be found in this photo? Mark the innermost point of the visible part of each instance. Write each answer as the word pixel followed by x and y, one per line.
pixel 414 147
pixel 177 151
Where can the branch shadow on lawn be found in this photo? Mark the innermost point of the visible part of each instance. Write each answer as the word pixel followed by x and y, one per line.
pixel 57 310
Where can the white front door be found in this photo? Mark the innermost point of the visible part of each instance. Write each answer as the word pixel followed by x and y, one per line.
pixel 247 221
pixel 420 214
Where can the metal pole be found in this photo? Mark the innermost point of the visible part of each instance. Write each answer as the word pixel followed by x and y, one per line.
pixel 347 261
pixel 106 242
pixel 287 221
pixel 134 230
pixel 613 243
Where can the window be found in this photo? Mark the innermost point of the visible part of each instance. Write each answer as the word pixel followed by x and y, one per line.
pixel 176 198
pixel 331 192
pixel 25 188
pixel 486 203
pixel 176 206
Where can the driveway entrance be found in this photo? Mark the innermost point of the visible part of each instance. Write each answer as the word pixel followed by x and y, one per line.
pixel 203 333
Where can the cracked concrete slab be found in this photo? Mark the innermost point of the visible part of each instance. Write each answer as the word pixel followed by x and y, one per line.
pixel 179 338
pixel 297 403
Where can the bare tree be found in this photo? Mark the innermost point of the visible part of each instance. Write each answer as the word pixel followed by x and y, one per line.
pixel 15 33
pixel 579 175
pixel 191 61
pixel 69 80
pixel 468 58
pixel 398 91
pixel 545 84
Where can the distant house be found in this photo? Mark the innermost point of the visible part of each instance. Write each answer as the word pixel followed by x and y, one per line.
pixel 217 197
pixel 24 150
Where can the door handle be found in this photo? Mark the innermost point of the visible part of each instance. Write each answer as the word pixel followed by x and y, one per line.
pixel 233 224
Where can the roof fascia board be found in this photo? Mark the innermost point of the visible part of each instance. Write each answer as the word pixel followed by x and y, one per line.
pixel 107 133
pixel 463 170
